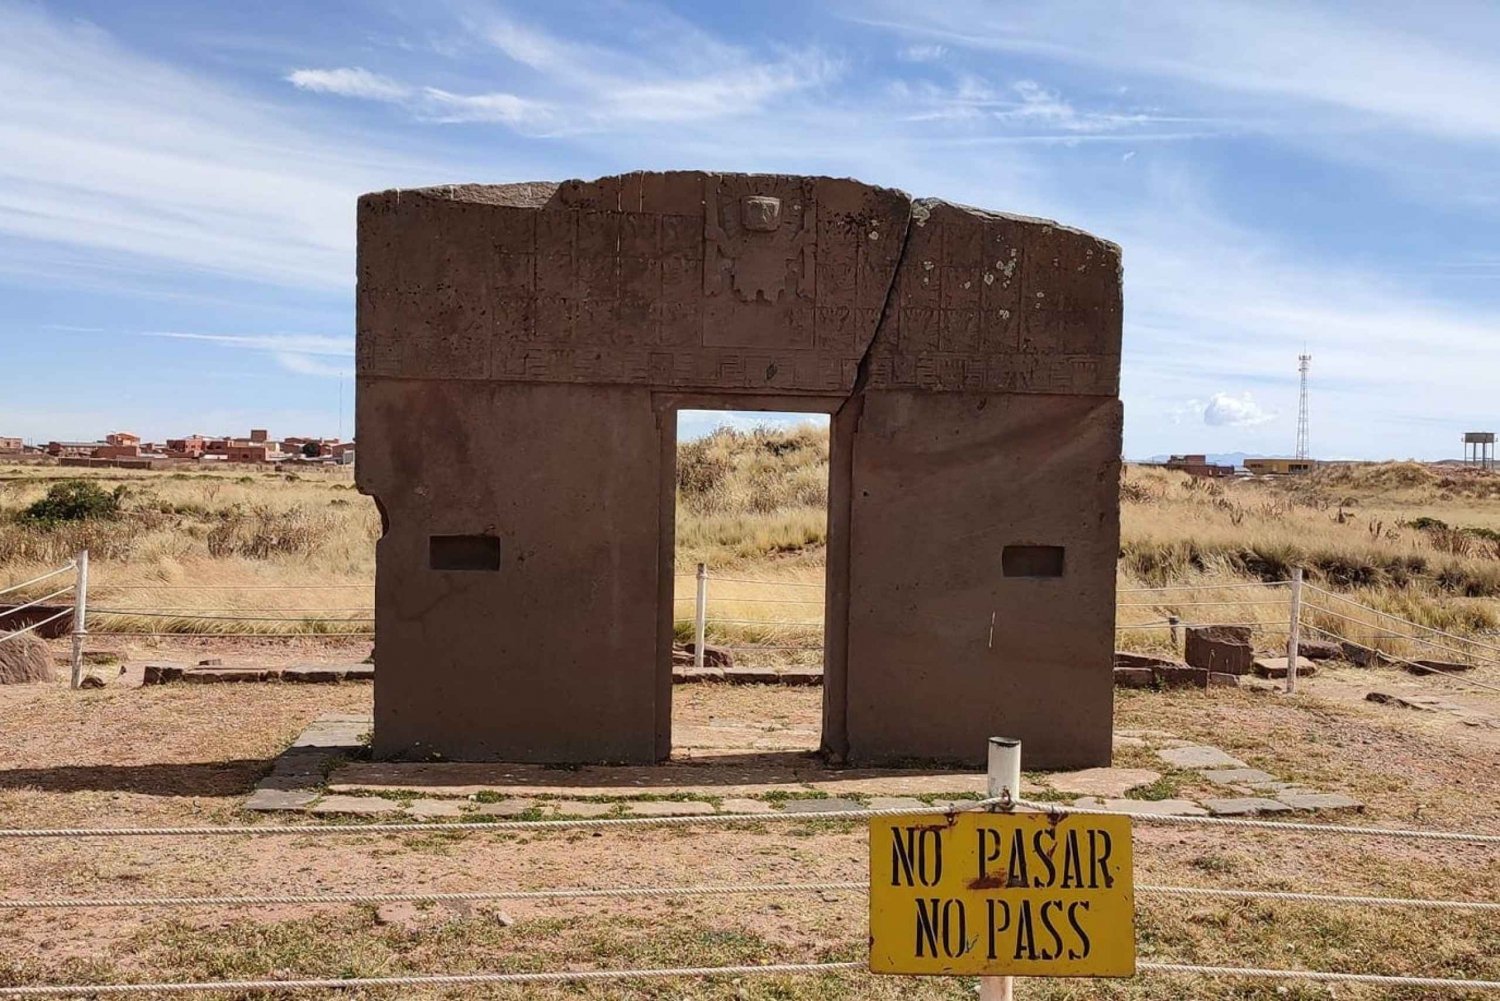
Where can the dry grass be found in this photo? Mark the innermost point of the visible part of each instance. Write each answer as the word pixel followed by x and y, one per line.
pixel 298 551
pixel 24 659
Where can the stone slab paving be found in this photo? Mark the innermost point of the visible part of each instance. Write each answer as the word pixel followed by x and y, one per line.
pixel 315 776
pixel 1239 777
pixel 1199 756
pixel 1105 782
pixel 364 806
pixel 1244 806
pixel 1144 807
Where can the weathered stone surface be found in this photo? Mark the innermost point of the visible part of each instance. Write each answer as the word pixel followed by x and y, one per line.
pixel 713 656
pixel 503 331
pixel 161 672
pixel 1239 777
pixel 1199 756
pixel 267 800
pixel 580 808
pixel 1181 677
pixel 1319 649
pixel 1276 667
pixel 1244 806
pixel 1224 649
pixel 1126 659
pixel 229 675
pixel 1144 807
pixel 1319 801
pixel 1217 680
pixel 365 806
pixel 1427 666
pixel 668 808
pixel 427 809
pixel 1134 677
pixel 897 803
pixel 1359 656
pixel 744 805
pixel 505 808
pixel 1103 782
pixel 690 675
pixel 826 805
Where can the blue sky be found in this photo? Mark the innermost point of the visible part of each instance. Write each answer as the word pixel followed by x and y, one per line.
pixel 177 182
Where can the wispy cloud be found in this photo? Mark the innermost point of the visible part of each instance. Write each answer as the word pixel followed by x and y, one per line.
pixel 349 82
pixel 303 354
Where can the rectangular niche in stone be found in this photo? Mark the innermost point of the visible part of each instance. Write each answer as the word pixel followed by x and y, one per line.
pixel 1032 561
pixel 463 552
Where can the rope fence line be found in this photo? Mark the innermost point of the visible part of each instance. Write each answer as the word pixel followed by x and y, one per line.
pixel 67 567
pixel 312 634
pixel 37 601
pixel 1415 625
pixel 596 823
pixel 228 618
pixel 1191 604
pixel 1402 660
pixel 35 625
pixel 729 889
pixel 585 976
pixel 1202 587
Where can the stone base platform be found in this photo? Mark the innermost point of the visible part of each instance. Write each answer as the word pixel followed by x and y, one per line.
pixel 739 769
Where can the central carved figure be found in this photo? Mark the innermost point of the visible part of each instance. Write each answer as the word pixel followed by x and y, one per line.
pixel 523 350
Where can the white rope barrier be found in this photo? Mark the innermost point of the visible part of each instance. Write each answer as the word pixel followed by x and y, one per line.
pixel 5 612
pixel 729 889
pixel 195 635
pixel 1415 625
pixel 1433 644
pixel 231 618
pixel 1403 660
pixel 65 568
pixel 1268 825
pixel 584 823
pixel 231 587
pixel 1202 587
pixel 751 580
pixel 1279 603
pixel 582 976
pixel 1318 975
pixel 35 625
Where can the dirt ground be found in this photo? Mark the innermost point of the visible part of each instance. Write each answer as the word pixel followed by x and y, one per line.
pixel 187 755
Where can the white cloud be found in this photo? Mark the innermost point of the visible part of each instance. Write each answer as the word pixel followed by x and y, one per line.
pixel 495 107
pixel 112 159
pixel 1224 410
pixel 1260 48
pixel 349 82
pixel 308 365
pixel 922 53
pixel 301 344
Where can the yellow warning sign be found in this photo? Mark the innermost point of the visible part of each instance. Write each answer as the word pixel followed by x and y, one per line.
pixel 1023 894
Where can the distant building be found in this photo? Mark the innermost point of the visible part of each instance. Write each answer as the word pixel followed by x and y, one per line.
pixel 1198 465
pixel 1279 467
pixel 73 449
pixel 191 447
pixel 259 436
pixel 11 445
pixel 247 452
pixel 122 439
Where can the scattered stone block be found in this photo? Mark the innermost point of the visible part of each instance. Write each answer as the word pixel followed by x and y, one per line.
pixel 269 800
pixel 1359 656
pixel 1244 806
pixel 211 662
pixel 363 806
pixel 1438 666
pixel 1319 801
pixel 1144 807
pixel 1124 658
pixel 746 805
pixel 227 675
pixel 669 808
pixel 1104 782
pixel 821 805
pixel 713 656
pixel 691 675
pixel 313 674
pixel 1225 649
pixel 1239 777
pixel 92 680
pixel 160 673
pixel 428 809
pixel 1217 679
pixel 1181 677
pixel 1199 756
pixel 1276 667
pixel 1319 649
pixel 800 676
pixel 1134 677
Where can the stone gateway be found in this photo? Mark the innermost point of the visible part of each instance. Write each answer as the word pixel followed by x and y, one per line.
pixel 523 350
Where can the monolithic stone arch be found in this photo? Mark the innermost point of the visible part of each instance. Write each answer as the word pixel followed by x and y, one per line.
pixel 522 352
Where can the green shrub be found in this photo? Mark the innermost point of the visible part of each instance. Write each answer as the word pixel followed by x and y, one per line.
pixel 74 500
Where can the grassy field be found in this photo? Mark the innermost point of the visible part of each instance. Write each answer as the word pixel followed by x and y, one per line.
pixel 296 550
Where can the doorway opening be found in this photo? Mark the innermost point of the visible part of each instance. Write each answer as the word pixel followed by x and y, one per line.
pixel 750 578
